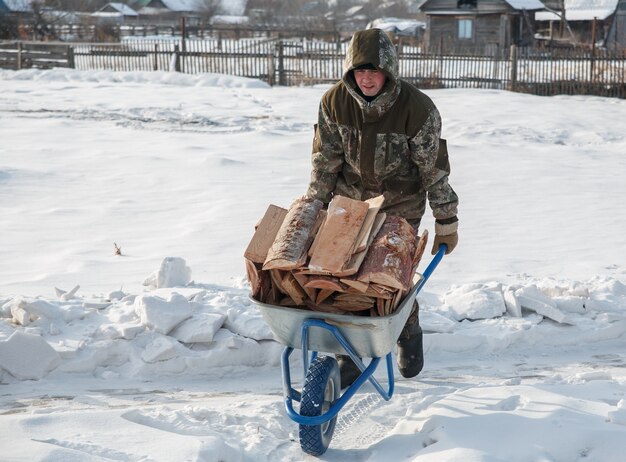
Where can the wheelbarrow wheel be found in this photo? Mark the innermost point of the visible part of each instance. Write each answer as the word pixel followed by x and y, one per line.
pixel 322 387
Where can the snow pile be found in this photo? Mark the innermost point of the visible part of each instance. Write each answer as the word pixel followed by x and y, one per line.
pixel 180 326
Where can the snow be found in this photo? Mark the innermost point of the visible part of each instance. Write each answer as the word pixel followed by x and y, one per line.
pixel 158 354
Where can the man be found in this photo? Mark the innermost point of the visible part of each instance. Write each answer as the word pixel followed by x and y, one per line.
pixel 377 134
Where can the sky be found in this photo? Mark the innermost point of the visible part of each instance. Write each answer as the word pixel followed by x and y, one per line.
pixel 158 353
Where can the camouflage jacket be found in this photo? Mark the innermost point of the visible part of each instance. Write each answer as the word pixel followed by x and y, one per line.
pixel 388 146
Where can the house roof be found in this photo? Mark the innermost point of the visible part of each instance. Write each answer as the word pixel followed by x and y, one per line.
pixel 397 25
pixel 582 10
pixel 526 4
pixel 21 6
pixel 489 9
pixel 229 7
pixel 120 8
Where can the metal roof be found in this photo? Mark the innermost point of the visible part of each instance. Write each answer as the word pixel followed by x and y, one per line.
pixel 582 10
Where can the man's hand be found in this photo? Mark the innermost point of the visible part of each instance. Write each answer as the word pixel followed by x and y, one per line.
pixel 450 240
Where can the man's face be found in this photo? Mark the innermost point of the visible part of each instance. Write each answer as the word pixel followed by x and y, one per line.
pixel 369 81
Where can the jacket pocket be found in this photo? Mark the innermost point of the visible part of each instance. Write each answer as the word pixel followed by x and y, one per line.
pixel 392 155
pixel 442 162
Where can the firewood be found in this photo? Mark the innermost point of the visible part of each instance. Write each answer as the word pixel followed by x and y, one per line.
pixel 338 234
pixel 380 307
pixel 395 301
pixel 389 260
pixel 325 282
pixel 254 278
pixel 353 302
pixel 289 249
pixel 419 249
pixel 293 289
pixel 265 234
pixel 287 301
pixel 321 219
pixel 354 284
pixel 352 267
pixel 302 280
pixel 277 281
pixel 322 295
pixel 375 204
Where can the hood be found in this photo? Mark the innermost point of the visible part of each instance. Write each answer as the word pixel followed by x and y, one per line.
pixel 373 46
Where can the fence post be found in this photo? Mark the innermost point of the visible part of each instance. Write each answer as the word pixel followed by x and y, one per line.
pixel 513 76
pixel 155 62
pixel 18 64
pixel 281 63
pixel 176 59
pixel 593 50
pixel 183 32
pixel 271 71
pixel 70 58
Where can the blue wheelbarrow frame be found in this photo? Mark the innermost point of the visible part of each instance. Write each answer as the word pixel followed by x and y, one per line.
pixel 338 338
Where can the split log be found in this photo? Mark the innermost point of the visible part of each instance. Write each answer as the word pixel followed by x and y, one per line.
pixel 363 239
pixel 302 280
pixel 260 282
pixel 419 249
pixel 352 267
pixel 325 282
pixel 353 302
pixel 338 234
pixel 265 233
pixel 321 219
pixel 354 284
pixel 389 260
pixel 294 237
pixel 293 289
pixel 322 295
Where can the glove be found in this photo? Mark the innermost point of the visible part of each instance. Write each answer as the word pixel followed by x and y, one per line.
pixel 451 240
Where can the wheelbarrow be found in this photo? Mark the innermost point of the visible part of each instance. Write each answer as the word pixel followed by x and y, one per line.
pixel 321 398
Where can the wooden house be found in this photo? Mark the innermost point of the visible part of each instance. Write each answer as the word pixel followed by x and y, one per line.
pixel 480 24
pixel 13 15
pixel 15 6
pixel 583 21
pixel 616 36
pixel 115 13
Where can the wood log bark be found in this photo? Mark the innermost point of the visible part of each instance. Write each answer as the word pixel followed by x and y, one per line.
pixel 389 260
pixel 289 250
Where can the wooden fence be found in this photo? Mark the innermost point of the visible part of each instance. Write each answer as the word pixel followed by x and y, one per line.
pixel 289 62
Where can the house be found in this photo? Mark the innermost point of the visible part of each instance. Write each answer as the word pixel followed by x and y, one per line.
pixel 115 13
pixel 616 37
pixel 485 24
pixel 399 27
pixel 16 6
pixel 583 20
pixel 14 14
pixel 225 7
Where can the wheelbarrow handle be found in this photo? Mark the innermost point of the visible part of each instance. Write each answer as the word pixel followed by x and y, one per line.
pixel 431 266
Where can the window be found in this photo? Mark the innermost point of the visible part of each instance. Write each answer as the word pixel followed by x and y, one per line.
pixel 466 4
pixel 465 28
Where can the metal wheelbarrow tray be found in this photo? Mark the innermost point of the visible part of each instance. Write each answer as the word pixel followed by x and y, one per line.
pixel 369 336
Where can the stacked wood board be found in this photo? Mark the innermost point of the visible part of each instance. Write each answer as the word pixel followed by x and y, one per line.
pixel 350 257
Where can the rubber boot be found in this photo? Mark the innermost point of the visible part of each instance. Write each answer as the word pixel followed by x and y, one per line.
pixel 348 370
pixel 410 356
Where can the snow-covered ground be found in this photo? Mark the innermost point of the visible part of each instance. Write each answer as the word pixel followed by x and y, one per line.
pixel 157 354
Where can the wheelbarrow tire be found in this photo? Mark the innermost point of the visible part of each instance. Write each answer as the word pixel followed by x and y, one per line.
pixel 322 385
